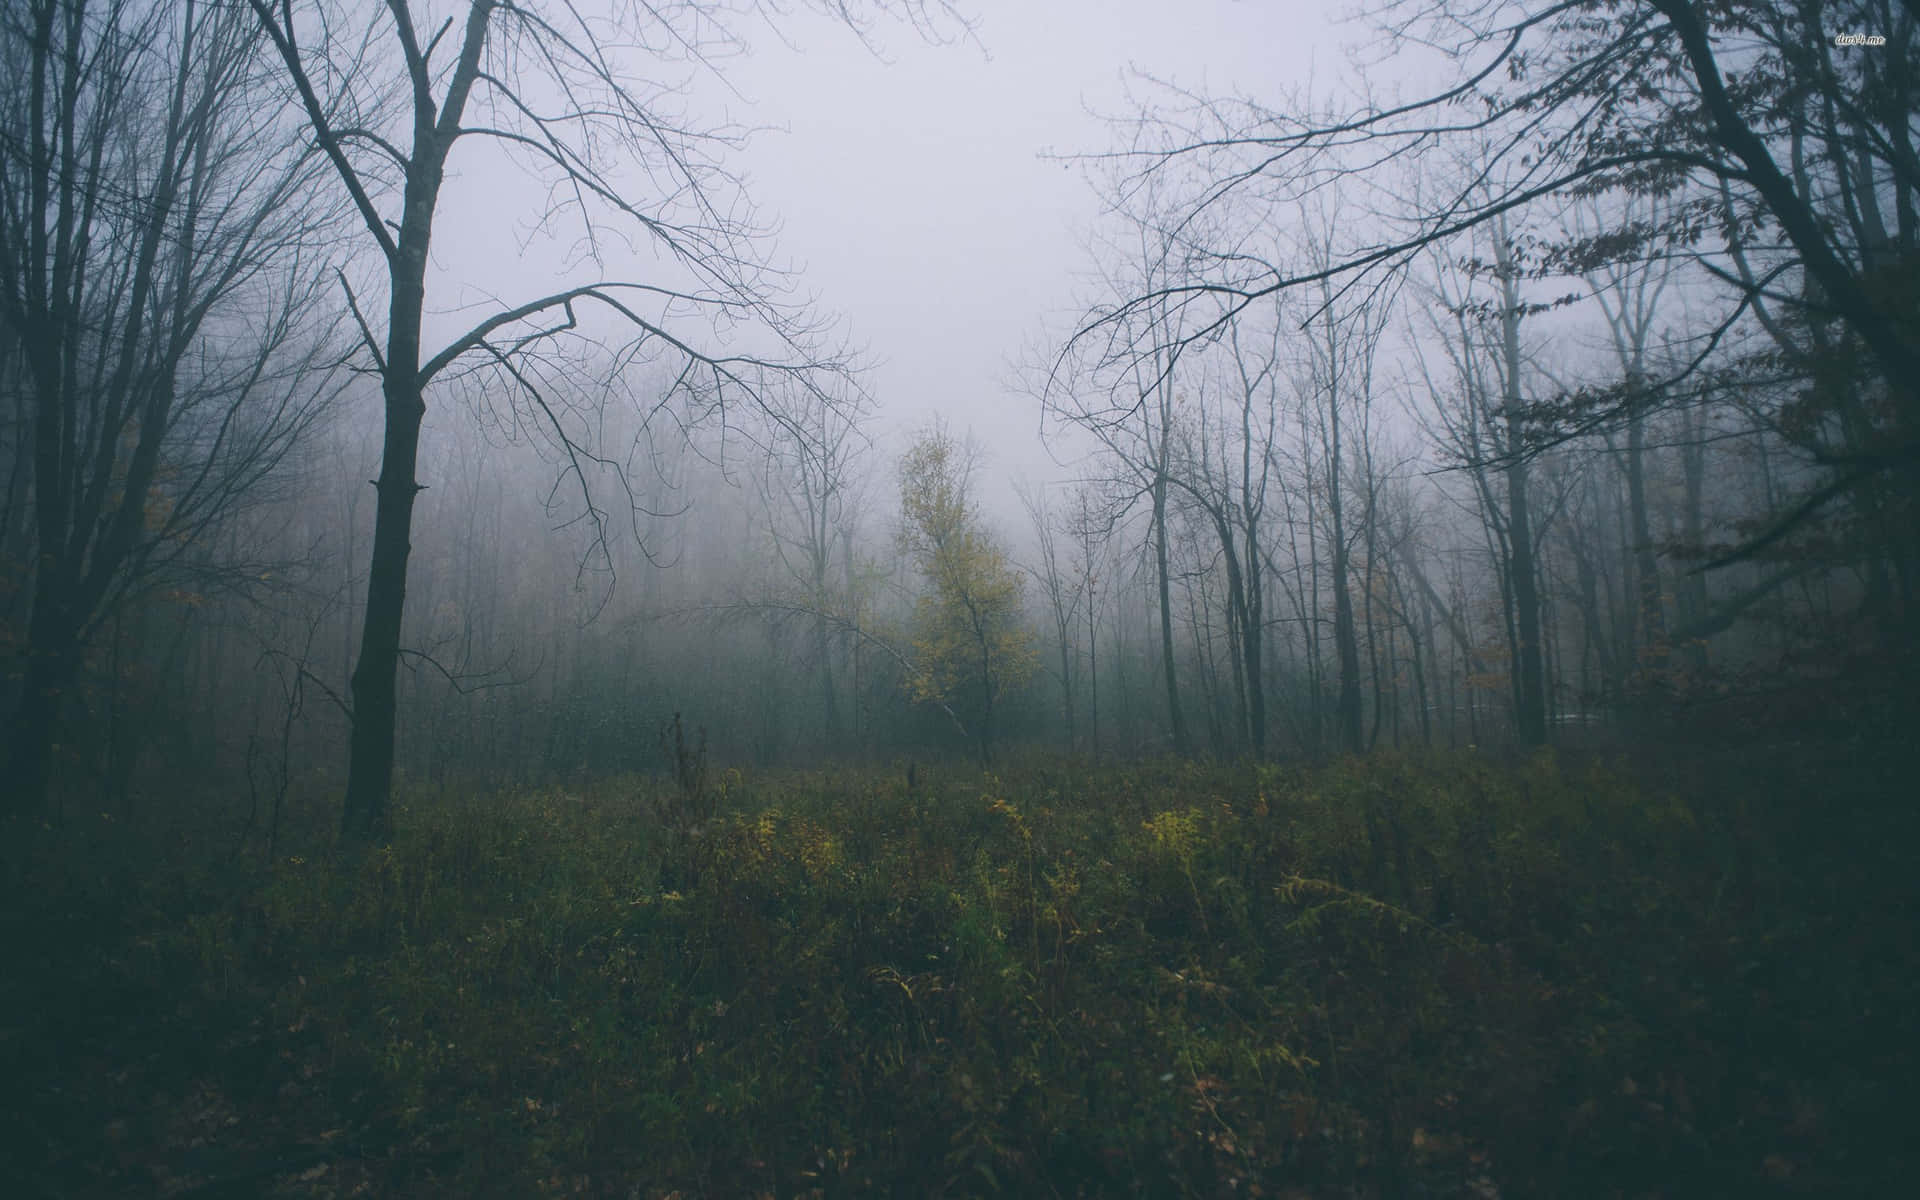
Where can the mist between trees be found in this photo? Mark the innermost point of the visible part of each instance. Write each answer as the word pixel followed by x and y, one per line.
pixel 521 712
pixel 1572 404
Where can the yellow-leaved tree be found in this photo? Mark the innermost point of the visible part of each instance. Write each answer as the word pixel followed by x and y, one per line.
pixel 969 639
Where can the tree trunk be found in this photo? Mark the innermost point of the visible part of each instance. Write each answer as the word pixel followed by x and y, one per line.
pixel 1692 599
pixel 1252 644
pixel 1529 693
pixel 1347 707
pixel 822 647
pixel 1531 716
pixel 1066 683
pixel 1200 628
pixel 1093 666
pixel 1650 616
pixel 1253 586
pixel 1175 717
pixel 367 815
pixel 1310 620
pixel 1421 643
pixel 1373 636
pixel 1345 636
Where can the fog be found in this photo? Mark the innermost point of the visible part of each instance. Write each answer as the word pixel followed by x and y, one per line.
pixel 769 360
pixel 929 197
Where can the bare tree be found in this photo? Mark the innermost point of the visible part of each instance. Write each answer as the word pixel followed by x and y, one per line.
pixel 1336 387
pixel 1530 689
pixel 552 86
pixel 1799 144
pixel 1224 468
pixel 1092 534
pixel 1486 428
pixel 158 267
pixel 1628 294
pixel 808 490
pixel 1122 389
pixel 1062 588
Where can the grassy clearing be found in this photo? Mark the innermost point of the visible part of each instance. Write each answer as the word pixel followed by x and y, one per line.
pixel 1399 977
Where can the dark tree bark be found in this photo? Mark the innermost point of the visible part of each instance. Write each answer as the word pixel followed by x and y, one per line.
pixel 1530 715
pixel 579 56
pixel 1176 717
pixel 146 202
pixel 1617 99
pixel 1346 638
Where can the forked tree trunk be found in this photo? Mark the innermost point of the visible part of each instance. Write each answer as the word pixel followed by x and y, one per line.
pixel 1530 701
pixel 367 814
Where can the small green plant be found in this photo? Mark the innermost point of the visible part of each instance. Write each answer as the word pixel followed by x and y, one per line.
pixel 1178 835
pixel 690 804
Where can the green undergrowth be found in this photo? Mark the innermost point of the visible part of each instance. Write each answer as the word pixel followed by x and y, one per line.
pixel 1395 977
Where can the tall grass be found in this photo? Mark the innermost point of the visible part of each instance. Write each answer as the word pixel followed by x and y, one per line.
pixel 1404 976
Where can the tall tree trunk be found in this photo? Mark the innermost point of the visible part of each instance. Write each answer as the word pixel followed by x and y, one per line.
pixel 1237 661
pixel 1253 586
pixel 1692 598
pixel 1650 616
pixel 1310 625
pixel 1347 707
pixel 1366 612
pixel 1421 642
pixel 1530 691
pixel 436 126
pixel 370 767
pixel 1175 718
pixel 829 698
pixel 1596 644
pixel 1066 685
pixel 1093 663
pixel 1252 645
pixel 368 816
pixel 1531 716
pixel 1345 637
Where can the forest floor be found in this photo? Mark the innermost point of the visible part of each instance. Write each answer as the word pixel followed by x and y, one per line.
pixel 1420 976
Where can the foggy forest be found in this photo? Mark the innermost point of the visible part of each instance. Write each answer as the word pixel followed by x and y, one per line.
pixel 958 597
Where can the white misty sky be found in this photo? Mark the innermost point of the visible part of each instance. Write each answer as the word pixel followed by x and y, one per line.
pixel 914 192
pixel 911 189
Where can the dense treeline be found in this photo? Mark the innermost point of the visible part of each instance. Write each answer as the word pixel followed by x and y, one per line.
pixel 1591 431
pixel 473 733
